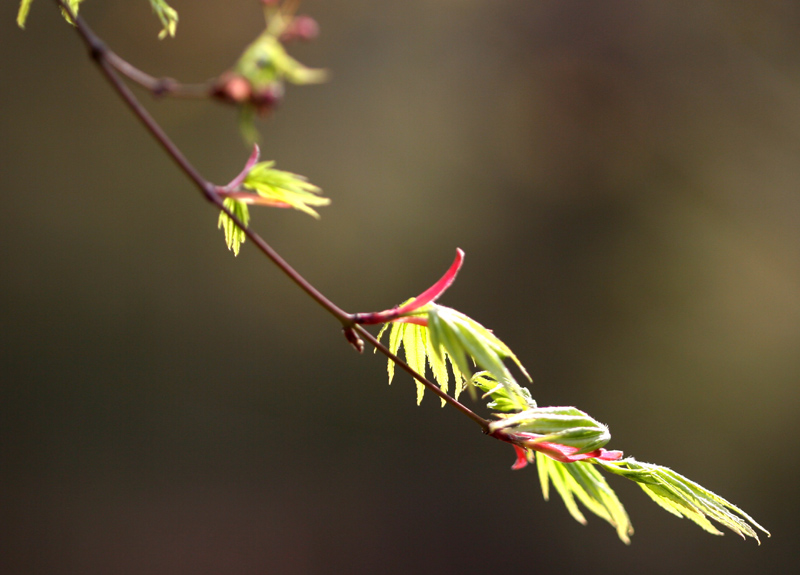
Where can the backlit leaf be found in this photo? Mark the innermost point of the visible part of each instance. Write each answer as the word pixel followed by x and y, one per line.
pixel 418 351
pixel 284 188
pixel 581 480
pixel 685 498
pixel 234 236
pixel 466 340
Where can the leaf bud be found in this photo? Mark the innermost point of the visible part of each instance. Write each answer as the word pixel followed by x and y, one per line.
pixel 302 28
pixel 562 425
pixel 232 87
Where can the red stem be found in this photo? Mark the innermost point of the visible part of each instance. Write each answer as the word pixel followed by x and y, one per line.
pixel 431 294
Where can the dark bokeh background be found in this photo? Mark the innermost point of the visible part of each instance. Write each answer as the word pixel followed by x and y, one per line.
pixel 623 176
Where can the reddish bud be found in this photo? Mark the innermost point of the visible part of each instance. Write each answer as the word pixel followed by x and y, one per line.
pixel 267 99
pixel 303 28
pixel 232 88
pixel 352 338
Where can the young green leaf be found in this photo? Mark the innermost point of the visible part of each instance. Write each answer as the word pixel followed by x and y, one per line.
pixel 168 17
pixel 234 236
pixel 414 346
pixel 505 398
pixel 685 498
pixel 464 339
pixel 582 481
pixel 283 189
pixel 415 341
pixel 266 61
pixel 561 425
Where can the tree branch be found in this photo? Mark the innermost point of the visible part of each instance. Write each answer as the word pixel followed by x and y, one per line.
pixel 110 64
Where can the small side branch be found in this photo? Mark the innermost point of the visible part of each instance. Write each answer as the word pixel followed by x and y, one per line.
pixel 159 86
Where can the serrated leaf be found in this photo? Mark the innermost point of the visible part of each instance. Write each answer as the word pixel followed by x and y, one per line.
pixel 234 236
pixel 465 339
pixel 414 348
pixel 284 188
pixel 505 398
pixel 460 380
pixel 685 498
pixel 438 366
pixel 582 481
pixel 395 339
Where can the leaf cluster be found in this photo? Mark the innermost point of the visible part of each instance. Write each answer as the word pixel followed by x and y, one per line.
pixel 432 333
pixel 415 340
pixel 437 335
pixel 284 189
pixel 274 188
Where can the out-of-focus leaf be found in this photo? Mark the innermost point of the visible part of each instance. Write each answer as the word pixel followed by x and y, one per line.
pixel 168 17
pixel 265 61
pixel 22 14
pixel 25 6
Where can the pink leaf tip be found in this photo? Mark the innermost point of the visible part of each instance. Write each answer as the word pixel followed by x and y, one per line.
pixel 436 290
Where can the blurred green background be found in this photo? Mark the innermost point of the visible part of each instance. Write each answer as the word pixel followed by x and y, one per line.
pixel 623 176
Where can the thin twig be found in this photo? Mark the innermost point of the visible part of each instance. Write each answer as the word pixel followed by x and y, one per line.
pixel 432 387
pixel 100 54
pixel 158 86
pixel 98 51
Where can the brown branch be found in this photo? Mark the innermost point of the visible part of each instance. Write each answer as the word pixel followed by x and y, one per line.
pixel 159 86
pixel 103 57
